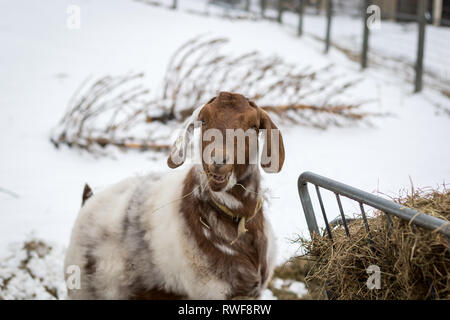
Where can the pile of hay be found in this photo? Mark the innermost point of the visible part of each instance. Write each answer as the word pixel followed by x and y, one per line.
pixel 414 262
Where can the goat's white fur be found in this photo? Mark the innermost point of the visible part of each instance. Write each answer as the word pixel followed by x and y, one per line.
pixel 179 266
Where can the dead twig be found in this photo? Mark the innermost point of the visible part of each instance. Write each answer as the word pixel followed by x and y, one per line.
pixel 119 111
pixel 9 192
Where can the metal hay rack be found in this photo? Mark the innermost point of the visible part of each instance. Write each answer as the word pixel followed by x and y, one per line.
pixel 363 198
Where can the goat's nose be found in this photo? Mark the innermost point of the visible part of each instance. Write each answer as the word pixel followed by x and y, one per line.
pixel 218 165
pixel 220 162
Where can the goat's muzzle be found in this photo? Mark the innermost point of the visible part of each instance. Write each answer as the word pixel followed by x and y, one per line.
pixel 218 175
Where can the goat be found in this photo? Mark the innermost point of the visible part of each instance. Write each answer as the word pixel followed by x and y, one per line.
pixel 194 233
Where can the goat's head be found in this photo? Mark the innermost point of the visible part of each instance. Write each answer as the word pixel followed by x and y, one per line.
pixel 230 125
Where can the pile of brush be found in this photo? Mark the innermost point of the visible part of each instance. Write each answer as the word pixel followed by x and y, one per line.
pixel 413 262
pixel 121 111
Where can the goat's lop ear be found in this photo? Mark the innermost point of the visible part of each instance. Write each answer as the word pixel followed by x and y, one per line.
pixel 272 157
pixel 178 151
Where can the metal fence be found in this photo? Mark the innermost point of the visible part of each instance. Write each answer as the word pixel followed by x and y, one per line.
pixel 363 198
pixel 420 11
pixel 331 6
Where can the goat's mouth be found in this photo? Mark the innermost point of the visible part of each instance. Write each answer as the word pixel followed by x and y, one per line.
pixel 217 180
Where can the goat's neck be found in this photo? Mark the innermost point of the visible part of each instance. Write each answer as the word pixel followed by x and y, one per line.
pixel 248 186
pixel 242 197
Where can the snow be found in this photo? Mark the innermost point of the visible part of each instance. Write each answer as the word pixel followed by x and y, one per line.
pixel 277 283
pixel 32 270
pixel 43 62
pixel 267 295
pixel 298 288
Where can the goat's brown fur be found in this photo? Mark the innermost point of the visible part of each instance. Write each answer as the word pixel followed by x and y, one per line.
pixel 247 270
pixel 87 193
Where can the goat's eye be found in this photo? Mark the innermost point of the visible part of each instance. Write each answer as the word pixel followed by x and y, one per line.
pixel 203 121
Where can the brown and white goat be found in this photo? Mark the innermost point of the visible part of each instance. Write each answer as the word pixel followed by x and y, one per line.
pixel 198 233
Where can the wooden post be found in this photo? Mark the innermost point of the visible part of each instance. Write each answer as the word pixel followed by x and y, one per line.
pixel 263 7
pixel 329 14
pixel 422 4
pixel 319 6
pixel 301 7
pixel 247 5
pixel 174 4
pixel 365 43
pixel 280 11
pixel 437 12
pixel 393 15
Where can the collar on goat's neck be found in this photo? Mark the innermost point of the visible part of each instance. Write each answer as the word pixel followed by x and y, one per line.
pixel 241 229
pixel 242 189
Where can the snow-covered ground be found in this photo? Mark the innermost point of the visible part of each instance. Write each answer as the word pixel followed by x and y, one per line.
pixel 42 62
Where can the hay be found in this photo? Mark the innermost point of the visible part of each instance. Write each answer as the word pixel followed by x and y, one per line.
pixel 295 269
pixel 414 262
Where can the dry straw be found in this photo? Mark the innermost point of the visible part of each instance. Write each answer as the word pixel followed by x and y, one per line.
pixel 414 262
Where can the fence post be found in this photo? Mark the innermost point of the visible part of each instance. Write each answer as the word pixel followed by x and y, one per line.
pixel 174 4
pixel 318 6
pixel 280 11
pixel 437 12
pixel 308 209
pixel 329 14
pixel 422 4
pixel 300 17
pixel 247 5
pixel 263 7
pixel 365 44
